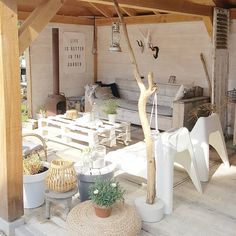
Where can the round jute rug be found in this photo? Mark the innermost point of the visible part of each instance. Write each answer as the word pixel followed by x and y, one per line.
pixel 124 221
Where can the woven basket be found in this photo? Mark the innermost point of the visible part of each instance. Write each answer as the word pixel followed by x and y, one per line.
pixel 61 176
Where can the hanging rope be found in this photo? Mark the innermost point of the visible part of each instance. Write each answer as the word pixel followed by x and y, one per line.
pixel 154 111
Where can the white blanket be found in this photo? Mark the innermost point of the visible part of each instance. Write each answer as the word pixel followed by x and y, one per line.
pixel 131 159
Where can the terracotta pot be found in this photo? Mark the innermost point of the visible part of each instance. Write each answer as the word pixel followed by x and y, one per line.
pixel 102 212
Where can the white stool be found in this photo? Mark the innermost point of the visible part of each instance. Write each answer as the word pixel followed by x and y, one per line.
pixel 208 131
pixel 170 147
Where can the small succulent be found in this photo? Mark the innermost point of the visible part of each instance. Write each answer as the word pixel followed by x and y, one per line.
pixel 32 165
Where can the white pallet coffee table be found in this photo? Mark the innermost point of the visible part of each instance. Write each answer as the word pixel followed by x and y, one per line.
pixel 82 134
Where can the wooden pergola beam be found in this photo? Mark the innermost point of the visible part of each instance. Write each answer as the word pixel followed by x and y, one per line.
pixel 11 167
pixel 78 20
pixel 232 13
pixel 156 12
pixel 208 22
pixel 178 6
pixel 129 12
pixel 152 19
pixel 102 10
pixel 37 20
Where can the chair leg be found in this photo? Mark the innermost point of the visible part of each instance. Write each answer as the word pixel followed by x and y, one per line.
pixel 184 159
pixel 216 140
pixel 164 176
pixel 201 152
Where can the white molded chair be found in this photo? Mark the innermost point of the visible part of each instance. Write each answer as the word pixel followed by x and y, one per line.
pixel 173 146
pixel 208 131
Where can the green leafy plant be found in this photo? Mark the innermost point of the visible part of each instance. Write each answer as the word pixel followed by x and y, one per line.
pixel 110 106
pixel 105 193
pixel 32 165
pixel 24 113
pixel 42 110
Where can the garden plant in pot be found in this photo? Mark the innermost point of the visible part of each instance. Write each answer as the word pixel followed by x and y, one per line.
pixel 33 181
pixel 110 108
pixel 104 194
pixel 93 168
pixel 41 112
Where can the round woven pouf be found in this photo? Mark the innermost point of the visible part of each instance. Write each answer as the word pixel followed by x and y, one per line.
pixel 124 220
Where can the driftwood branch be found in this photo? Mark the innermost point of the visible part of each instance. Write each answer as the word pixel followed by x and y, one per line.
pixel 144 94
pixel 206 73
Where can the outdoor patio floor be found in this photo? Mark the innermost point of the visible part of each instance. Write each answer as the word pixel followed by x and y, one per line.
pixel 210 213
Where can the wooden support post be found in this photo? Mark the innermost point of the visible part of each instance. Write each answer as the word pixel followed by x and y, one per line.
pixel 11 174
pixel 220 68
pixel 95 53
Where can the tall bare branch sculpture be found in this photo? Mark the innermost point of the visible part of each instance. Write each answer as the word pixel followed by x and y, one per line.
pixel 145 93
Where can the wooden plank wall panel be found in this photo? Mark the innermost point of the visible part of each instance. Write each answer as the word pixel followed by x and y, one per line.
pixel 72 84
pixel 180 46
pixel 220 68
pixel 11 177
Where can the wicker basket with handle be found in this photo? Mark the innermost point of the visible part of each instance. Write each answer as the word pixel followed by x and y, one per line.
pixel 61 176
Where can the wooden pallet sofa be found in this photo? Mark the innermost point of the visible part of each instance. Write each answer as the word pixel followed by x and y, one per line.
pixel 173 109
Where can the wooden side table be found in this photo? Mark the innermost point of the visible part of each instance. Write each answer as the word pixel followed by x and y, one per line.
pixel 124 220
pixel 64 198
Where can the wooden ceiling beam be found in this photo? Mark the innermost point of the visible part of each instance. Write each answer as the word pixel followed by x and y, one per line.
pixel 156 12
pixel 129 12
pixel 102 10
pixel 78 20
pixel 36 21
pixel 178 6
pixel 232 13
pixel 152 19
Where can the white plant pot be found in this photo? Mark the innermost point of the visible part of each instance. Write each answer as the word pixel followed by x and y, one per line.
pixel 112 118
pixel 33 190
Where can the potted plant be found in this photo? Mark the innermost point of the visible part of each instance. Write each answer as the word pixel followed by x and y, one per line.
pixel 33 181
pixel 92 169
pixel 41 112
pixel 104 194
pixel 110 108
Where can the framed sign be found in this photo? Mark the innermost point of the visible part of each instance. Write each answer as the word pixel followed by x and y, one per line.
pixel 74 52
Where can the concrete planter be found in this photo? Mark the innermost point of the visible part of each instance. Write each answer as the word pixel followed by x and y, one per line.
pixel 89 178
pixel 86 180
pixel 33 190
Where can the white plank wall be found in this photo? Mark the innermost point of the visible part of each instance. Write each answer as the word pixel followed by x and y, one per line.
pixel 180 47
pixel 41 60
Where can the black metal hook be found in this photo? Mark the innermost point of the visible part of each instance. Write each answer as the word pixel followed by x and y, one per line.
pixel 156 49
pixel 140 43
